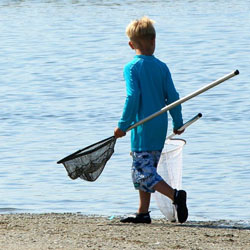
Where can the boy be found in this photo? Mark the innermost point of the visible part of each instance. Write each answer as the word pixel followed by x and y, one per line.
pixel 149 88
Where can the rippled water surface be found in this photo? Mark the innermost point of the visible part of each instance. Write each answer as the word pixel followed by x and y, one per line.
pixel 61 89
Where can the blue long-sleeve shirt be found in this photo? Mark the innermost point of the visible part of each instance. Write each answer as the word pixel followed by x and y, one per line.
pixel 149 88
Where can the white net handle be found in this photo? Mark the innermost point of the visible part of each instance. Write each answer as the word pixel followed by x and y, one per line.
pixel 188 123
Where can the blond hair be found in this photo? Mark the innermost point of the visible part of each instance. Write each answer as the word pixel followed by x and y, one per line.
pixel 141 29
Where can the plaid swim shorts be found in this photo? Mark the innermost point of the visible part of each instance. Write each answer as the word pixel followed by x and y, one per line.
pixel 144 173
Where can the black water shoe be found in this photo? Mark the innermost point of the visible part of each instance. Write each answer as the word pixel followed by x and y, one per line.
pixel 180 199
pixel 137 218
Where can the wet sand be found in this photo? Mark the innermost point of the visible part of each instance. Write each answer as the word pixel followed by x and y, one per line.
pixel 76 231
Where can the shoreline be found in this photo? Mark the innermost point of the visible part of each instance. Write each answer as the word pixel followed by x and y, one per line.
pixel 73 231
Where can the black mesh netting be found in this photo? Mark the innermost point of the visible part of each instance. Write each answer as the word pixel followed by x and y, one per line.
pixel 88 163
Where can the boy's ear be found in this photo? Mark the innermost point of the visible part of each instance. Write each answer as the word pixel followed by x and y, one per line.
pixel 131 45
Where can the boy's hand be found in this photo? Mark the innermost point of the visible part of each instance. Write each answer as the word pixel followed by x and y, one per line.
pixel 119 133
pixel 178 132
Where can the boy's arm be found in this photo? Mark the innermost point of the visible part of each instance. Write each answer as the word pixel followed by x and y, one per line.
pixel 172 96
pixel 131 104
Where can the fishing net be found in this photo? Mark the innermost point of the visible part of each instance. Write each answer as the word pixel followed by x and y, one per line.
pixel 170 169
pixel 88 163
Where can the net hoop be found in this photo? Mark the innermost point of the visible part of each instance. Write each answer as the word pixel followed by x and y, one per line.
pixel 180 145
pixel 89 162
pixel 87 150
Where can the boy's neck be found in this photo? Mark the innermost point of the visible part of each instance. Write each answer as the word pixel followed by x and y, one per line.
pixel 147 51
pixel 144 53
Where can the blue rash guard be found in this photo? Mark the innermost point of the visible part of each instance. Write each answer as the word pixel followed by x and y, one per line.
pixel 149 88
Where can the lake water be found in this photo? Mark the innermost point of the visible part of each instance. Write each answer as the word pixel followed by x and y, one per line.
pixel 62 88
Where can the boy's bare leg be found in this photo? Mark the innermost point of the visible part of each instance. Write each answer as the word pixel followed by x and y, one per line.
pixel 179 198
pixel 144 202
pixel 163 188
pixel 142 216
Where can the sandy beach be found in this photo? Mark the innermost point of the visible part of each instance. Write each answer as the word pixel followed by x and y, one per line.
pixel 76 231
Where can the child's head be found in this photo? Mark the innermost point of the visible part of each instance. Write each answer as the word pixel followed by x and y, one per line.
pixel 141 32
